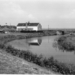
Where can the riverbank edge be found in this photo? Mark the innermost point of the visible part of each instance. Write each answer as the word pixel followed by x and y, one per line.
pixel 7 38
pixel 59 67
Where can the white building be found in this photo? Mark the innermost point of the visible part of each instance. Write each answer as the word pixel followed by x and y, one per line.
pixel 29 26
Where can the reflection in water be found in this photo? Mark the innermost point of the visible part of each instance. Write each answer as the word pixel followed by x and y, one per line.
pixel 47 46
pixel 35 41
pixel 26 44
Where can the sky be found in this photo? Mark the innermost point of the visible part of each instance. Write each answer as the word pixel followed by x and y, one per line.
pixel 49 13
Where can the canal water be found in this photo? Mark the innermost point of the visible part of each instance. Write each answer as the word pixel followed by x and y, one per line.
pixel 47 46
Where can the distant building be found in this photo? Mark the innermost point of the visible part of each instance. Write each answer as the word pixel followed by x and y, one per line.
pixel 29 26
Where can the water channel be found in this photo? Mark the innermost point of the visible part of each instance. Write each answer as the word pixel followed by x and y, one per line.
pixel 46 46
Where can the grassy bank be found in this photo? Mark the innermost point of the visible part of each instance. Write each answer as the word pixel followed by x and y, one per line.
pixel 67 42
pixel 49 63
pixel 13 65
pixel 9 63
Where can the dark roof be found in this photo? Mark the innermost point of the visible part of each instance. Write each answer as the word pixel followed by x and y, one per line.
pixel 21 24
pixel 28 24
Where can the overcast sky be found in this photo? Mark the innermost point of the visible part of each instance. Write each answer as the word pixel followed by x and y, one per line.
pixel 55 13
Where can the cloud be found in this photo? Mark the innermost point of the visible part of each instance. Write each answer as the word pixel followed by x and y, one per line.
pixel 11 12
pixel 70 15
pixel 53 12
pixel 12 8
pixel 30 16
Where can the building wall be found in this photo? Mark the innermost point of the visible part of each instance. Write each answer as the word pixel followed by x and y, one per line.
pixel 35 28
pixel 28 27
pixel 19 28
